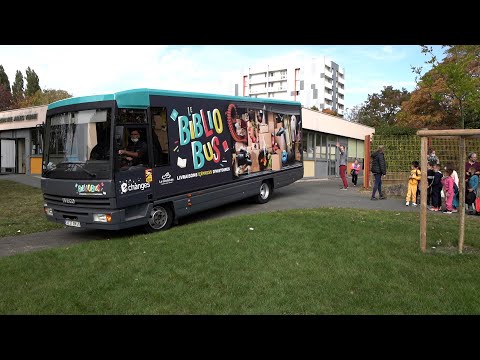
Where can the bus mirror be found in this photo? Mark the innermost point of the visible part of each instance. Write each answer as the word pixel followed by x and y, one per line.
pixel 119 136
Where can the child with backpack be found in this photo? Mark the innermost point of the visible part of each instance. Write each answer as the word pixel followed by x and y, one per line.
pixel 430 177
pixel 472 191
pixel 436 188
pixel 415 176
pixel 448 182
pixel 354 172
pixel 455 199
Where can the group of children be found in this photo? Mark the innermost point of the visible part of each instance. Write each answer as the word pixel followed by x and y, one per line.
pixel 437 181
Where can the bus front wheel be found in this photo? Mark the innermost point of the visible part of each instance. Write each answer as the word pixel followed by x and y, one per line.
pixel 161 218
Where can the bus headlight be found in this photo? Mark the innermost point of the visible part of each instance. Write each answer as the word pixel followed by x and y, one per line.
pixel 102 218
pixel 48 210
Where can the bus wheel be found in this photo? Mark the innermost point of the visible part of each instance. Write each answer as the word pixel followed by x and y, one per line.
pixel 264 193
pixel 161 218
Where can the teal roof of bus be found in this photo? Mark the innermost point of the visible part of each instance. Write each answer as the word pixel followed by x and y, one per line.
pixel 139 98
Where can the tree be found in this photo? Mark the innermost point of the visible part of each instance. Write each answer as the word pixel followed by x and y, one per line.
pixel 330 112
pixel 4 79
pixel 5 98
pixel 18 88
pixel 460 73
pixel 382 109
pixel 33 83
pixel 314 108
pixel 44 97
pixel 352 113
pixel 424 110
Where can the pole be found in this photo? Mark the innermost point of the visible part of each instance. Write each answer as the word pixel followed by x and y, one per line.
pixel 423 195
pixel 366 163
pixel 461 198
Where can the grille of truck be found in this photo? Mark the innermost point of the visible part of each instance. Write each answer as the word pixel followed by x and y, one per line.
pixel 80 201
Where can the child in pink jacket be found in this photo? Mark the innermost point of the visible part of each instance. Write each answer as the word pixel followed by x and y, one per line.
pixel 447 182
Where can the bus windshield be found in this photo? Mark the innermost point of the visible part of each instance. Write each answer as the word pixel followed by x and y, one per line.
pixel 78 145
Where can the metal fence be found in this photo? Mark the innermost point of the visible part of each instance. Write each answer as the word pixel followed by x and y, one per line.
pixel 400 151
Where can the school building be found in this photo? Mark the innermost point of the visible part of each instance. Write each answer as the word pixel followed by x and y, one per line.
pixel 321 132
pixel 21 140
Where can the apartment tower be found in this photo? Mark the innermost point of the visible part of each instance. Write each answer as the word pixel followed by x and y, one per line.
pixel 317 82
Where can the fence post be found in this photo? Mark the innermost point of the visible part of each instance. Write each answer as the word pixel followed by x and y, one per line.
pixel 461 190
pixel 366 163
pixel 423 194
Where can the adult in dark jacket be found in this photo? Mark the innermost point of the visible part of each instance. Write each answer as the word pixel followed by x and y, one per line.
pixel 136 152
pixel 379 169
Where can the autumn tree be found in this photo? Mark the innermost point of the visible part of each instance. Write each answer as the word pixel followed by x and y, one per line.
pixel 453 83
pixel 18 88
pixel 5 98
pixel 44 97
pixel 33 83
pixel 330 112
pixel 425 110
pixel 4 79
pixel 382 109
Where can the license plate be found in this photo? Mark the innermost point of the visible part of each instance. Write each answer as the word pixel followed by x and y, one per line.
pixel 72 223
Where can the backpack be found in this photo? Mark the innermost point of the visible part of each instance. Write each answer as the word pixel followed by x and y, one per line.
pixel 455 188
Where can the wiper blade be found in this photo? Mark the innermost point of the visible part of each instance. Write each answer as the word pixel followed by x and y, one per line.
pixel 78 164
pixel 92 174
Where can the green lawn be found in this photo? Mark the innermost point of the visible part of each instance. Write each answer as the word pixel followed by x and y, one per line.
pixel 321 261
pixel 21 210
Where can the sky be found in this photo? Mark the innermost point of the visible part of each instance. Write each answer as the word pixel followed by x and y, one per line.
pixel 100 69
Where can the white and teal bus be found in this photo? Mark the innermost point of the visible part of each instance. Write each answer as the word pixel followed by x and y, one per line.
pixel 196 151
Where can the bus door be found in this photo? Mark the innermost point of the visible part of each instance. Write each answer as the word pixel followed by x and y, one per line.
pixel 133 168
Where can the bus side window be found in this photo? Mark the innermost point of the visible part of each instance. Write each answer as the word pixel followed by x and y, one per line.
pixel 160 136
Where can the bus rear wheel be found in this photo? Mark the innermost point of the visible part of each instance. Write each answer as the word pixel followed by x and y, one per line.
pixel 265 193
pixel 161 218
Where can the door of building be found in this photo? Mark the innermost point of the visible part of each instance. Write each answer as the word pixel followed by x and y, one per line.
pixel 7 155
pixel 332 159
pixel 21 157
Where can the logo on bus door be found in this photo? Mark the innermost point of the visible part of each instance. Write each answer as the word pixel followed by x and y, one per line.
pixel 141 184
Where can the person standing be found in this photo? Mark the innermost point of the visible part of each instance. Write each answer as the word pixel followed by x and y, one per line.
pixel 447 182
pixel 415 176
pixel 355 170
pixel 471 162
pixel 431 157
pixel 437 189
pixel 343 165
pixel 379 169
pixel 455 199
pixel 472 190
pixel 430 177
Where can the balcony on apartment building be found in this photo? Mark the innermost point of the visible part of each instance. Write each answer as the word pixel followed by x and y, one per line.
pixel 277 77
pixel 257 80
pixel 328 73
pixel 277 88
pixel 258 91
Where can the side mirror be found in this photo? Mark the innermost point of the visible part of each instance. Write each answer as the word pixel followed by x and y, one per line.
pixel 119 137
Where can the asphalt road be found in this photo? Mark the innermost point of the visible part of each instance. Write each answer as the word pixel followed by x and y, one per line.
pixel 304 194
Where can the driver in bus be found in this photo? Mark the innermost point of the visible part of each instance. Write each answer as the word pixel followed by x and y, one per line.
pixel 136 150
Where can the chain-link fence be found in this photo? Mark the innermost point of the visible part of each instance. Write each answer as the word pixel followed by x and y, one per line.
pixel 400 151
